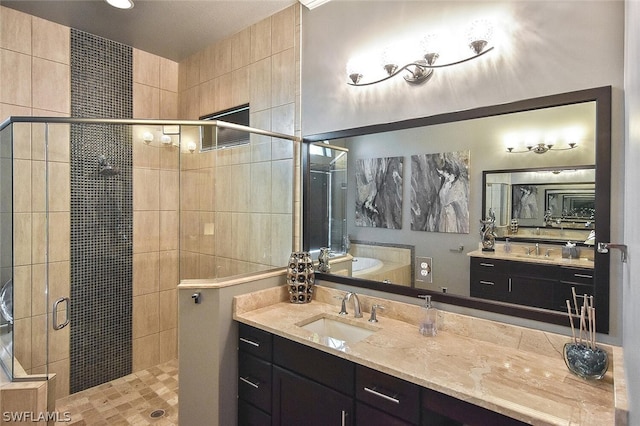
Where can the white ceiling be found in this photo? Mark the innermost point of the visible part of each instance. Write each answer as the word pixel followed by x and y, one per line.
pixel 173 29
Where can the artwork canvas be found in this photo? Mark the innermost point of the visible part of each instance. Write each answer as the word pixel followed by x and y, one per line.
pixel 525 201
pixel 379 192
pixel 440 192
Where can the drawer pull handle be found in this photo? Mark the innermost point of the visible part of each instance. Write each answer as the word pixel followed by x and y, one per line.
pixel 489 265
pixel 583 276
pixel 381 395
pixel 250 342
pixel 250 383
pixel 487 283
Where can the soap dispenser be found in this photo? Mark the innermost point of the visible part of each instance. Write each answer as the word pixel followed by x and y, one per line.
pixel 429 318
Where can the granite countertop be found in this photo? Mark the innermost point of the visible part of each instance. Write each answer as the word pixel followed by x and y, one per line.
pixel 515 371
pixel 581 262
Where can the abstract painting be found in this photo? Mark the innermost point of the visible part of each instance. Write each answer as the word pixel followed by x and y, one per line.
pixel 525 201
pixel 379 192
pixel 440 192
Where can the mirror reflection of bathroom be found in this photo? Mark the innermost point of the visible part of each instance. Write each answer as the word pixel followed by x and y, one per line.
pixel 328 190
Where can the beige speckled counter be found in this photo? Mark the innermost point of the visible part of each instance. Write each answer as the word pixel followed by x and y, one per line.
pixel 581 262
pixel 511 370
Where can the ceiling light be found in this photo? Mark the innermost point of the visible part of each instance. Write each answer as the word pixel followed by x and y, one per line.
pixel 121 4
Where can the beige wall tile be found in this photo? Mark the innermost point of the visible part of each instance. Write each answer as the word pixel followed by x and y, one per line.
pixel 15 30
pixel 224 234
pixel 242 238
pixel 168 309
pixel 59 187
pixel 169 230
pixel 59 142
pixel 51 81
pixel 59 279
pixel 261 40
pixel 168 75
pixel 190 230
pixel 224 98
pixel 208 97
pixel 241 49
pixel 59 236
pixel 62 371
pixel 169 269
pixel 21 131
pixel 207 266
pixel 284 79
pixel 22 292
pixel 59 339
pixel 146 273
pixel 38 186
pixel 22 342
pixel 38 289
pixel 22 238
pixel 222 58
pixel 146 101
pixel 188 265
pixel 189 104
pixel 261 145
pixel 146 189
pixel 206 189
pixel 260 245
pixel 240 93
pixel 146 231
pixel 260 77
pixel 146 317
pixel 170 156
pixel 261 187
pixel 189 190
pixel 207 233
pixel 146 68
pixel 168 105
pixel 207 63
pixel 241 154
pixel 282 119
pixel 51 41
pixel 15 74
pixel 145 352
pixel 145 155
pixel 282 188
pixel 22 186
pixel 282 30
pixel 169 190
pixel 241 187
pixel 193 70
pixel 168 345
pixel 38 341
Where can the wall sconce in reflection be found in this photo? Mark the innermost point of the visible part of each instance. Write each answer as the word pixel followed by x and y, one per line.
pixel 419 71
pixel 533 144
pixel 191 146
pixel 147 137
pixel 166 140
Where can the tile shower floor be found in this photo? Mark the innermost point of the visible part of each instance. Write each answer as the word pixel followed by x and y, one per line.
pixel 131 400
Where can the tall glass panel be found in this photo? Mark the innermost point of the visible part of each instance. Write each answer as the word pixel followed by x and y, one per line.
pixel 6 251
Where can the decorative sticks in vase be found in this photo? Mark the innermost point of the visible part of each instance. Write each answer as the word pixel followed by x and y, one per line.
pixel 582 356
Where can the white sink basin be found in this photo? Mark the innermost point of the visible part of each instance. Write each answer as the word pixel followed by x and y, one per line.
pixel 335 333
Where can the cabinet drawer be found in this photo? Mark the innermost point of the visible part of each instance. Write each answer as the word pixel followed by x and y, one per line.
pixel 441 409
pixel 562 293
pixel 324 368
pixel 493 265
pixel 369 416
pixel 255 341
pixel 248 415
pixel 576 275
pixel 254 381
pixel 536 270
pixel 488 285
pixel 387 393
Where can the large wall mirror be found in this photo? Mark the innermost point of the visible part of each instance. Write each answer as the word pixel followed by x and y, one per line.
pixel 415 192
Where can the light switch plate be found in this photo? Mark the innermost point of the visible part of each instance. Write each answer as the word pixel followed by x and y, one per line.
pixel 424 269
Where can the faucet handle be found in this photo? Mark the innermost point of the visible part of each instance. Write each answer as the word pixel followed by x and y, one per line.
pixel 548 253
pixel 374 309
pixel 343 309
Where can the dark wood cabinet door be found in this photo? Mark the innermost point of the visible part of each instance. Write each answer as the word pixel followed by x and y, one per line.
pixel 531 291
pixel 300 401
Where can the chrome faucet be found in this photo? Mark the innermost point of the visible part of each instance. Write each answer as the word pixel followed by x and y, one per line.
pixel 537 249
pixel 356 304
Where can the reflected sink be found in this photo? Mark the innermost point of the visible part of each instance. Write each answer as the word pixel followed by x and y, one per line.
pixel 335 333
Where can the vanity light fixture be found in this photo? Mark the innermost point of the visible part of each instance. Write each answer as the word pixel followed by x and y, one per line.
pixel 147 137
pixel 541 148
pixel 420 70
pixel 121 4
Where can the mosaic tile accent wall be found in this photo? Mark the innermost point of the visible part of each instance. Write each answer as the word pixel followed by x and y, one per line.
pixel 101 212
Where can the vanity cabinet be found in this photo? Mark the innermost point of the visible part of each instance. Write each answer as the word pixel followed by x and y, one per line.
pixel 306 386
pixel 530 284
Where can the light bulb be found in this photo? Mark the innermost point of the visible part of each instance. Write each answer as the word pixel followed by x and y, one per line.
pixel 121 4
pixel 191 146
pixel 165 139
pixel 147 137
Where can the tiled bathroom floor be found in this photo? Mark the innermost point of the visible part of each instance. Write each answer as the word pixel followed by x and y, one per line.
pixel 129 400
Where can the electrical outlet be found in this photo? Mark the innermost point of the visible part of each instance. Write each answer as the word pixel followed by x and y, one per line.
pixel 424 270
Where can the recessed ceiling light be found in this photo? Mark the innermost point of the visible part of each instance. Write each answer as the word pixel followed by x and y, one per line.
pixel 121 4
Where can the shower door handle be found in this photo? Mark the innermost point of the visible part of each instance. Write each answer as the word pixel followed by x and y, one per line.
pixel 56 325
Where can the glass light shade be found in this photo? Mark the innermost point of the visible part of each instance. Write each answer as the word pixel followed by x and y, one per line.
pixel 389 60
pixel 479 34
pixel 121 4
pixel 355 69
pixel 430 47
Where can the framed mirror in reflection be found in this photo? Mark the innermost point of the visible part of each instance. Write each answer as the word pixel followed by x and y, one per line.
pixel 569 179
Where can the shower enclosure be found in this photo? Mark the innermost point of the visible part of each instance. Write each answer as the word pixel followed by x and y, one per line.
pixel 102 218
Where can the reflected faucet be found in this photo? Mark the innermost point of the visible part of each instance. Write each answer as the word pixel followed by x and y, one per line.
pixel 357 311
pixel 537 249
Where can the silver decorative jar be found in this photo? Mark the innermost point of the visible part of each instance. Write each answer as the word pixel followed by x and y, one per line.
pixel 300 277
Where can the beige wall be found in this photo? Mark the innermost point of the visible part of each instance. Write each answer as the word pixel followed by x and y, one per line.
pixel 244 193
